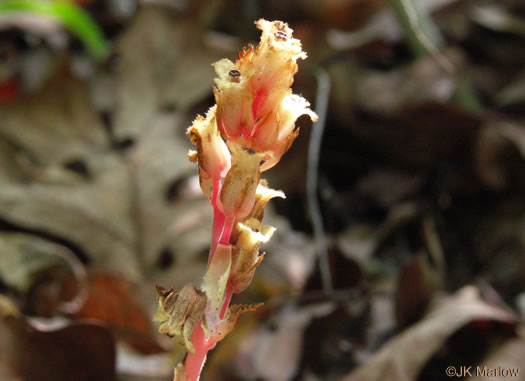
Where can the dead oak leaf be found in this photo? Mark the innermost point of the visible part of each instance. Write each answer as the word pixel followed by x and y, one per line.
pixel 112 300
pixel 164 61
pixel 398 361
pixel 508 356
pixel 56 124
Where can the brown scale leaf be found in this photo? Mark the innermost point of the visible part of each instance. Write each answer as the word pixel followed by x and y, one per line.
pixel 180 373
pixel 180 311
pixel 232 317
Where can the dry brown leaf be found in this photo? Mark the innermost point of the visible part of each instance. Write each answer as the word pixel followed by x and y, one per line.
pixel 281 347
pixel 292 263
pixel 79 212
pixel 499 364
pixel 232 317
pixel 54 128
pixel 417 283
pixel 389 93
pixel 122 201
pixel 398 361
pixel 83 352
pixel 164 62
pixel 179 312
pixel 23 257
pixel 156 163
pixel 112 300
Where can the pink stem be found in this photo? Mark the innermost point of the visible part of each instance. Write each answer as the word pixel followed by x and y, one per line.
pixel 227 230
pixel 221 232
pixel 218 219
pixel 194 363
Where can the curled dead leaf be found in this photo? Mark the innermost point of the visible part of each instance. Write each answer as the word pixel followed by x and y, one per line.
pixel 232 317
pixel 179 312
pixel 398 361
pixel 502 363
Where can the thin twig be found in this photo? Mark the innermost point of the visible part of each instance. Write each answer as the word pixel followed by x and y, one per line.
pixel 314 149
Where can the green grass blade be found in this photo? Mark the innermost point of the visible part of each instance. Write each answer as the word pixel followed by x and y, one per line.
pixel 70 15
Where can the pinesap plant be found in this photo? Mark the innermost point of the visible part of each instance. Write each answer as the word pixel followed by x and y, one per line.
pixel 247 132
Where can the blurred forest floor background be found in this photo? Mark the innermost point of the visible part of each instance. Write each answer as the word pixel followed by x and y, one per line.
pixel 421 188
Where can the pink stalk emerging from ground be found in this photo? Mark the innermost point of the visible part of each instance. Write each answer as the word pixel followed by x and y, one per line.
pixel 246 133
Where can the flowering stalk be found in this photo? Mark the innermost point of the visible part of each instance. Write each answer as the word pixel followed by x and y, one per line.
pixel 247 132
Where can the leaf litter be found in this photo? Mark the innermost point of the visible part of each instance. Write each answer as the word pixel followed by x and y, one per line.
pixel 93 164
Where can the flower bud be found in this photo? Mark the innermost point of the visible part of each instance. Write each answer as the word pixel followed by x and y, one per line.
pixel 276 132
pixel 263 194
pixel 212 155
pixel 275 59
pixel 234 101
pixel 249 93
pixel 245 256
pixel 239 188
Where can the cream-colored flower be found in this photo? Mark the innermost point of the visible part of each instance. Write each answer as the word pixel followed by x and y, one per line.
pixel 238 191
pixel 277 131
pixel 245 256
pixel 234 101
pixel 212 154
pixel 274 63
pixel 255 107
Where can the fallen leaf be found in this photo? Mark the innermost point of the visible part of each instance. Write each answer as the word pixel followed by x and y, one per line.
pixel 398 361
pixel 53 128
pixel 80 351
pixel 387 187
pixel 496 17
pixel 421 82
pixel 91 191
pixel 503 363
pixel 80 211
pixel 23 257
pixel 112 300
pixel 164 62
pixel 418 281
pixel 280 347
pixel 157 162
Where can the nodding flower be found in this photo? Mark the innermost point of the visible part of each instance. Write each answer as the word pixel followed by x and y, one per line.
pixel 212 154
pixel 255 106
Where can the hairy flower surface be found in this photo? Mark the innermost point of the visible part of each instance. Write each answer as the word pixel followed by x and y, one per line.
pixel 212 153
pixel 239 189
pixel 255 106
pixel 245 256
